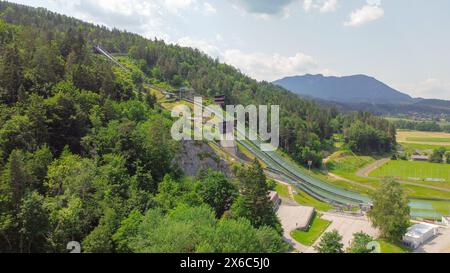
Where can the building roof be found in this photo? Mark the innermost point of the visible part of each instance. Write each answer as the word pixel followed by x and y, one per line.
pixel 273 196
pixel 418 230
pixel 425 157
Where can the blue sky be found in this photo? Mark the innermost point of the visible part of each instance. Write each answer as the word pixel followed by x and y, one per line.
pixel 404 43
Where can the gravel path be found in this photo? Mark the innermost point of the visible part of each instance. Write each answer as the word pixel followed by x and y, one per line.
pixel 364 172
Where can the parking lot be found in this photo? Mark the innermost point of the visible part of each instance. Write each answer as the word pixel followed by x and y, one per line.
pixel 292 217
pixel 349 225
pixel 439 244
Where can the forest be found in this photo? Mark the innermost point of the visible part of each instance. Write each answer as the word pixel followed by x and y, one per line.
pixel 86 153
pixel 424 126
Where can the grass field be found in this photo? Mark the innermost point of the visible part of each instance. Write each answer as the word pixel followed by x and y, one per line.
pixel 421 146
pixel 282 190
pixel 427 138
pixel 387 247
pixel 307 200
pixel 308 237
pixel 440 207
pixel 415 170
pixel 347 167
pixel 170 104
pixel 349 164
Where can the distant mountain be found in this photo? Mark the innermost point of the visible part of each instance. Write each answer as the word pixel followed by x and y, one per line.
pixel 350 89
pixel 363 93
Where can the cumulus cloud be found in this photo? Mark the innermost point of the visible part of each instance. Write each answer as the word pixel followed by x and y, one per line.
pixel 150 18
pixel 208 8
pixel 175 6
pixel 323 6
pixel 266 7
pixel 329 6
pixel 143 17
pixel 370 12
pixel 270 67
pixel 261 66
pixel 429 88
pixel 205 46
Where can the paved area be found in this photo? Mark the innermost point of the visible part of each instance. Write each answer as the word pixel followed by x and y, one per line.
pixel 293 217
pixel 349 225
pixel 439 244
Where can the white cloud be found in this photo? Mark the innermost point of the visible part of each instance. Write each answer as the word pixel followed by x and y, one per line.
pixel 175 6
pixel 307 5
pixel 329 6
pixel 260 66
pixel 263 7
pixel 270 67
pixel 150 18
pixel 209 9
pixel 370 12
pixel 323 6
pixel 203 45
pixel 430 88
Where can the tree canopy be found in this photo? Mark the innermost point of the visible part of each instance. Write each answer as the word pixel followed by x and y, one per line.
pixel 86 153
pixel 390 212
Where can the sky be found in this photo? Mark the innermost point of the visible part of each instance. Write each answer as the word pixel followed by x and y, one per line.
pixel 403 43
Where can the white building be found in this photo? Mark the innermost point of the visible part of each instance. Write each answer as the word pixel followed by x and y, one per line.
pixel 446 220
pixel 275 199
pixel 419 234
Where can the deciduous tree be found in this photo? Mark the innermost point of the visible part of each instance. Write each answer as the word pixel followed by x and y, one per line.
pixel 390 212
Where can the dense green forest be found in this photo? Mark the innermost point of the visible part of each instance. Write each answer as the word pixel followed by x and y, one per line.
pixel 425 126
pixel 86 154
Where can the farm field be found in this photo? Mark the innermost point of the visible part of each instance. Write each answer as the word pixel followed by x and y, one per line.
pixel 420 146
pixel 424 138
pixel 414 171
pixel 348 166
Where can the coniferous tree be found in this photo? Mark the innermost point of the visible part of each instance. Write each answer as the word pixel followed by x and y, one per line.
pixel 11 75
pixel 254 203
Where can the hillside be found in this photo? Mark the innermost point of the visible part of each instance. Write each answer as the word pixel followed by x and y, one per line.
pixel 86 152
pixel 350 89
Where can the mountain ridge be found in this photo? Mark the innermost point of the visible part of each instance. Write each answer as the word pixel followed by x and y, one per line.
pixel 357 88
pixel 387 102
